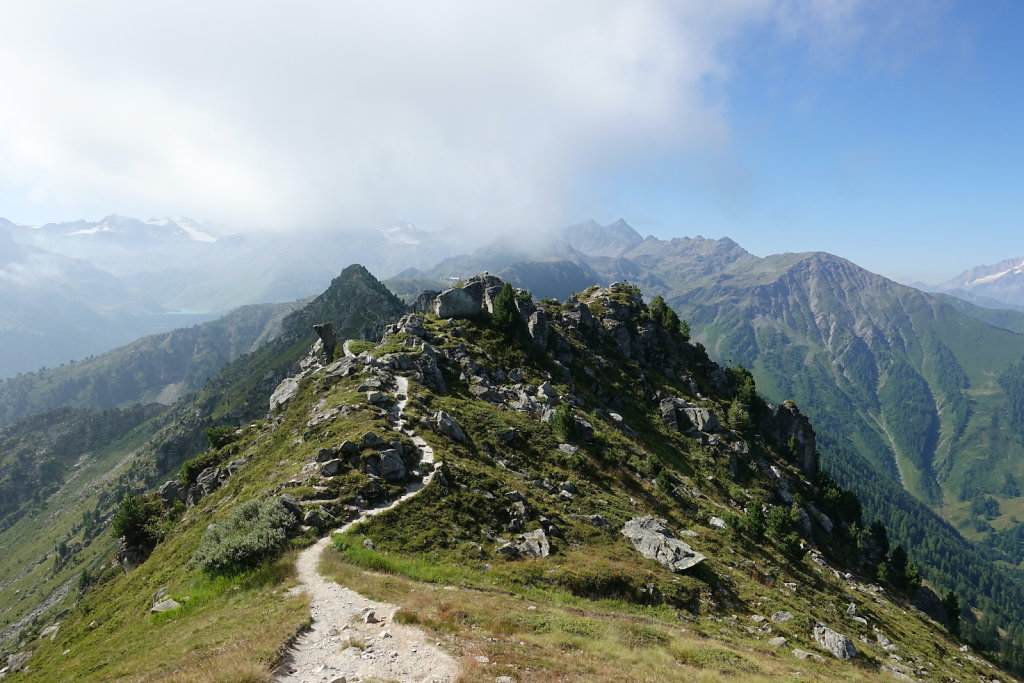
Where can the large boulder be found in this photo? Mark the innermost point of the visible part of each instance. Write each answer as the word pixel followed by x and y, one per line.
pixel 392 468
pixel 535 544
pixel 683 416
pixel 284 393
pixel 839 645
pixel 456 303
pixel 449 426
pixel 655 541
pixel 469 299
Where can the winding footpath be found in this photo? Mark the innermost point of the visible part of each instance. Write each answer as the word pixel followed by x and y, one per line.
pixel 342 643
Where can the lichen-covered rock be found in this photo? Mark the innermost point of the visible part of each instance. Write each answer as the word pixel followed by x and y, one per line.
pixel 839 645
pixel 655 541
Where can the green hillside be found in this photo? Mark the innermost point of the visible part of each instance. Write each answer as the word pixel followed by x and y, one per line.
pixel 158 368
pixel 551 441
pixel 66 470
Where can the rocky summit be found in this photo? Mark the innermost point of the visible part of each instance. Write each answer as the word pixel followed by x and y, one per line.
pixel 503 489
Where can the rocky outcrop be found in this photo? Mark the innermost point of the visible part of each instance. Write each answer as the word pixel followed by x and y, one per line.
pixel 207 482
pixel 469 299
pixel 328 341
pixel 683 416
pixel 171 492
pixel 839 645
pixel 793 426
pixel 655 541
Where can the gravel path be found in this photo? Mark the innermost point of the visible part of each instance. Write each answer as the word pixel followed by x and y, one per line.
pixel 344 644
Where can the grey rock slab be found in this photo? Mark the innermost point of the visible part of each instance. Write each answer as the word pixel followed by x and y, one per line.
pixel 839 645
pixel 655 541
pixel 165 605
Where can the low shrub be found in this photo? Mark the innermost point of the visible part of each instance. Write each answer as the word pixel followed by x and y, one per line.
pixel 256 531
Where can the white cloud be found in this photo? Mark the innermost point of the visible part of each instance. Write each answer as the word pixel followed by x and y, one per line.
pixel 335 112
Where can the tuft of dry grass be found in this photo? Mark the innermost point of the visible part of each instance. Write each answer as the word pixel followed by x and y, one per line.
pixel 229 667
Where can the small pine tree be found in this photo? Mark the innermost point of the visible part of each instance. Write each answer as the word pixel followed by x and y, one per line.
pixel 951 604
pixel 505 315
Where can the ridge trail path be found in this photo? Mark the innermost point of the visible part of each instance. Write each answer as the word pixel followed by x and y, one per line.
pixel 391 652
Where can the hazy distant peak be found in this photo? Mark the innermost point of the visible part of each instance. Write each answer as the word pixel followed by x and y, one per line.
pixel 192 228
pixel 403 233
pixel 594 239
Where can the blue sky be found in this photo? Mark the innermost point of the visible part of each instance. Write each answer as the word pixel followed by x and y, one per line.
pixel 886 132
pixel 902 152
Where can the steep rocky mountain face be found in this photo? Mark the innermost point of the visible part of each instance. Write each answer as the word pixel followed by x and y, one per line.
pixel 159 368
pixel 1000 285
pixel 602 501
pixel 914 395
pixel 920 385
pixel 64 472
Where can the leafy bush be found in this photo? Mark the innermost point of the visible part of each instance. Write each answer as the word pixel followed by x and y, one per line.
pixel 254 532
pixel 136 520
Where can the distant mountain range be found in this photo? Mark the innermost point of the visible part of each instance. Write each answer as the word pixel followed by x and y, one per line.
pixel 79 288
pixel 1000 285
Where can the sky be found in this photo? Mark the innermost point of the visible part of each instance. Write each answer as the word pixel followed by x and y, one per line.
pixel 888 133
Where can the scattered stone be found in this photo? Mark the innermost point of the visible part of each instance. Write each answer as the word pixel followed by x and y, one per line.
pixel 314 519
pixel 718 523
pixel 165 606
pixel 803 654
pixel 781 617
pixel 325 454
pixel 839 645
pixel 655 541
pixel 777 642
pixel 369 616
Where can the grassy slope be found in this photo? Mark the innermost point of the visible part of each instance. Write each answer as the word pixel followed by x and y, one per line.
pixel 355 303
